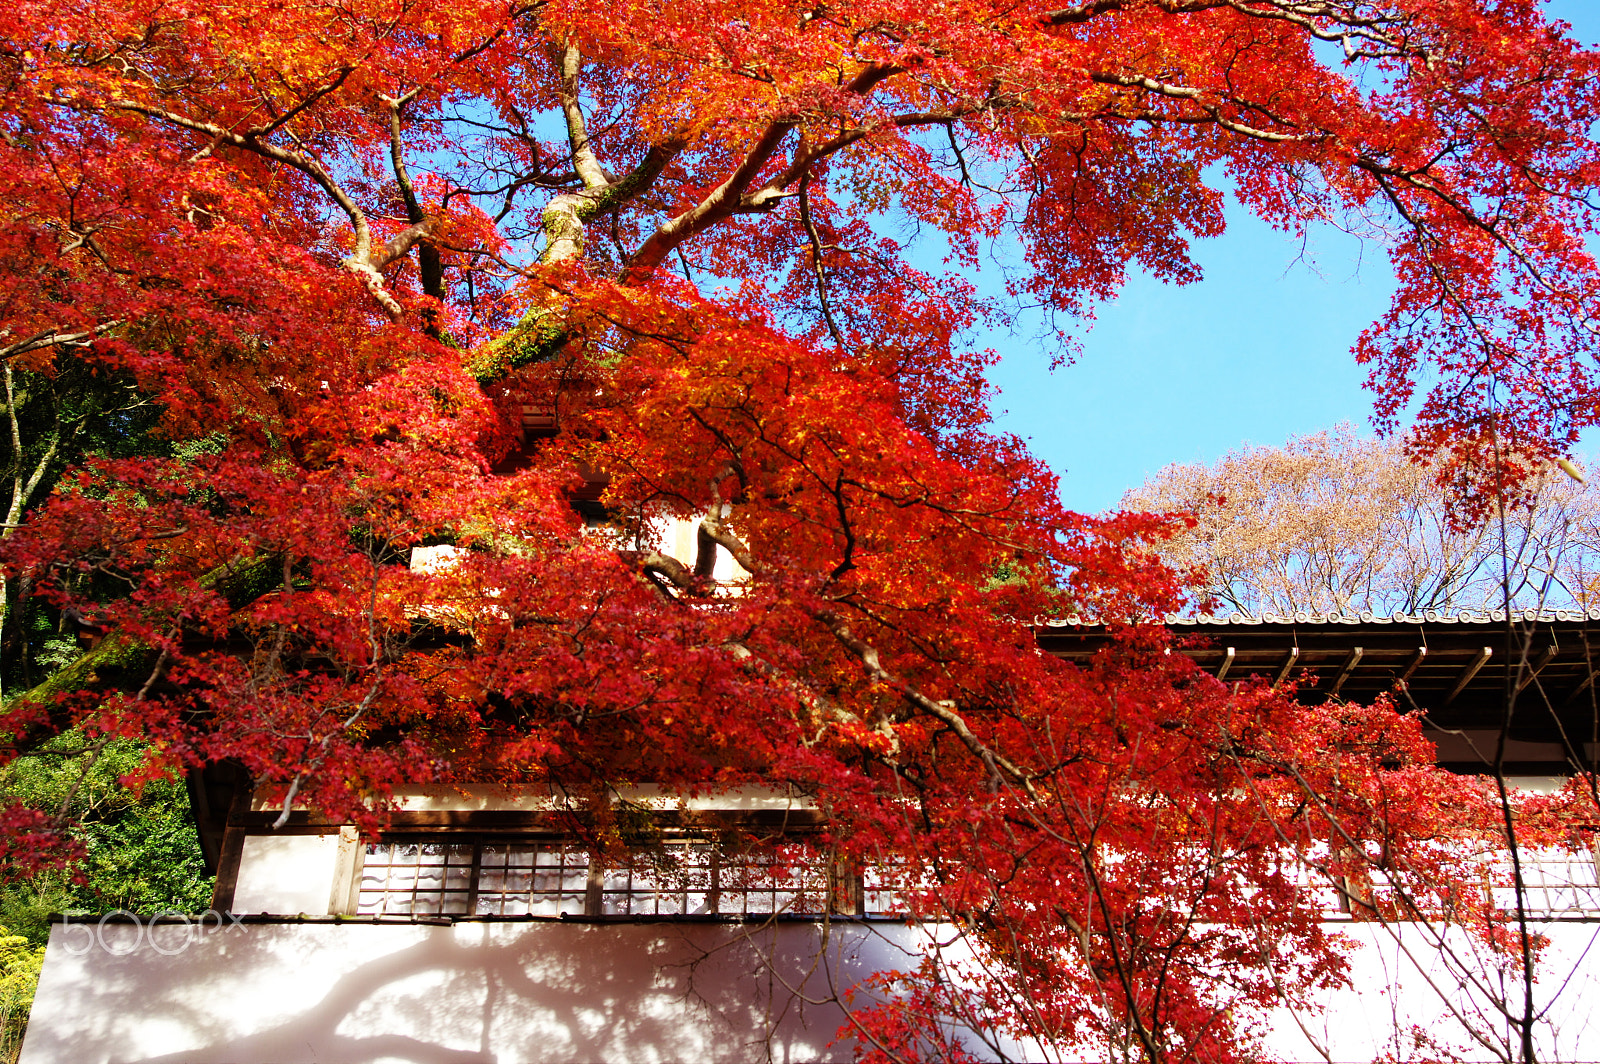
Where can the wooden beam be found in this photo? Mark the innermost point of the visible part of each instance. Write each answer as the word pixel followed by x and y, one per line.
pixel 1350 664
pixel 1536 666
pixel 1227 663
pixel 1405 677
pixel 1468 673
pixel 533 821
pixel 346 872
pixel 1588 681
pixel 1283 673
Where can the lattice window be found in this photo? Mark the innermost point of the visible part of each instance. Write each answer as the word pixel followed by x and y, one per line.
pixel 1556 883
pixel 695 878
pixel 551 878
pixel 527 879
pixel 883 887
pixel 679 881
pixel 764 881
pixel 416 877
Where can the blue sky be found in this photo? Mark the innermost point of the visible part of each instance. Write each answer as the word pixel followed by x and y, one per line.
pixel 1256 352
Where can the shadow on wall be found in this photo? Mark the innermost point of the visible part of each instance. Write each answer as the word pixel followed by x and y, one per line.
pixel 453 994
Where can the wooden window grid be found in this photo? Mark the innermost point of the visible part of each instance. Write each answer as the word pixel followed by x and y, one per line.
pixel 459 876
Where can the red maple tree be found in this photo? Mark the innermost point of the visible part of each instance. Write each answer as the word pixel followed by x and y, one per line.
pixel 347 248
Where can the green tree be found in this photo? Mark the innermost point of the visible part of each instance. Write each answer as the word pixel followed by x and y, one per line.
pixel 20 962
pixel 139 844
pixel 56 419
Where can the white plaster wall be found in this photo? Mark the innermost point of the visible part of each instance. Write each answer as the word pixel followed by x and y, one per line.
pixel 286 874
pixel 526 993
pixel 471 992
pixel 681 540
pixel 1440 983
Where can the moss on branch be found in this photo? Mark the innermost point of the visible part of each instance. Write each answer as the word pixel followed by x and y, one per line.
pixel 120 662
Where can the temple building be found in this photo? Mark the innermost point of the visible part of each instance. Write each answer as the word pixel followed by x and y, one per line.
pixel 474 930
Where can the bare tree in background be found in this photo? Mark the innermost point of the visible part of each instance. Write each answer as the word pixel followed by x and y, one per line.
pixel 1338 522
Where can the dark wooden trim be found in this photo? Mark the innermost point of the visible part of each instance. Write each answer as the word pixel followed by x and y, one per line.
pixel 1392 661
pixel 594 890
pixel 448 919
pixel 1536 666
pixel 1350 664
pixel 232 849
pixel 228 869
pixel 212 788
pixel 1584 685
pixel 522 820
pixel 1468 673
pixel 1421 656
pixel 299 824
pixel 1227 663
pixel 200 811
pixel 475 871
pixel 1512 768
pixel 1283 673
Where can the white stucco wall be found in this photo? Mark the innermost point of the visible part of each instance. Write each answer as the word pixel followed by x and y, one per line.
pixel 681 540
pixel 286 874
pixel 1408 980
pixel 525 993
pixel 472 992
pixel 674 536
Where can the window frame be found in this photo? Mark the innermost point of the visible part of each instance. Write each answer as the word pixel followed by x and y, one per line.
pixel 841 887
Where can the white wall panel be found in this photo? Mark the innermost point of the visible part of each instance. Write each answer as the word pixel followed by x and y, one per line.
pixel 286 874
pixel 472 992
pixel 527 993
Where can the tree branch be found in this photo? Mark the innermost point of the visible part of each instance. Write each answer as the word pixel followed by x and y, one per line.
pixel 583 157
pixel 1000 767
pixel 719 204
pixel 51 337
pixel 428 262
pixel 816 261
pixel 359 261
pixel 1213 112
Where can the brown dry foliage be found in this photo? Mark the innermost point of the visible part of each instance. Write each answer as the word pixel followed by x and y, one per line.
pixel 1338 522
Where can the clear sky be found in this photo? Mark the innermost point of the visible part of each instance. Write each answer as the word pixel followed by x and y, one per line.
pixel 1256 352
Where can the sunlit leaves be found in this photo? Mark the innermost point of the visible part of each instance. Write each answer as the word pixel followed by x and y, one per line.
pixel 442 275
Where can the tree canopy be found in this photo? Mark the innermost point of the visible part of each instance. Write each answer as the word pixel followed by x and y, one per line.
pixel 1344 524
pixel 413 273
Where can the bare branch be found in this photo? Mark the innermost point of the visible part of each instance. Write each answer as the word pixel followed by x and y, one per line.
pixel 51 337
pixel 816 262
pixel 583 157
pixel 359 261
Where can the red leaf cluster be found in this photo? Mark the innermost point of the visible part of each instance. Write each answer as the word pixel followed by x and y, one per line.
pixel 447 273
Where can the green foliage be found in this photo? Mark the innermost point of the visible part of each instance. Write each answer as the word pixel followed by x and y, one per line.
pixel 20 962
pixel 141 854
pixel 75 411
pixel 54 653
pixel 141 850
